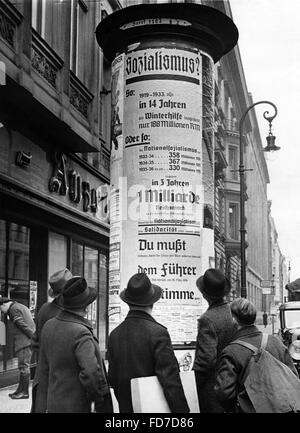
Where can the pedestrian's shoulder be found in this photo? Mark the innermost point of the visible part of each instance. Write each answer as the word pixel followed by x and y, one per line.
pixel 43 308
pixel 152 328
pixel 18 308
pixel 275 341
pixel 50 323
pixel 160 326
pixel 205 319
pixel 219 314
pixel 232 350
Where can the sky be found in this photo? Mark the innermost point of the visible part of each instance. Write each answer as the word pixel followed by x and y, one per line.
pixel 269 44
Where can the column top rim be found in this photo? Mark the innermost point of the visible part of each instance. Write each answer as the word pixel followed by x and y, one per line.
pixel 211 29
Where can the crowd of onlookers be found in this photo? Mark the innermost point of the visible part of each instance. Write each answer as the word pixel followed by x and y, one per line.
pixel 71 376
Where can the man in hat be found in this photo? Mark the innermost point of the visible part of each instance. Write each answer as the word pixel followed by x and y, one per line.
pixel 23 329
pixel 48 310
pixel 215 331
pixel 141 347
pixel 230 378
pixel 71 374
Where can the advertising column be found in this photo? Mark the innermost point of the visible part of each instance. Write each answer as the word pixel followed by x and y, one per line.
pixel 161 204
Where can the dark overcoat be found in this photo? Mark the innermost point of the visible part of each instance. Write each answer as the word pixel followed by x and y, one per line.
pixel 47 311
pixel 141 347
pixel 71 374
pixel 234 361
pixel 215 331
pixel 23 325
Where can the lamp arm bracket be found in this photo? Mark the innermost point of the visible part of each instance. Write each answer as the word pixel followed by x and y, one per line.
pixel 268 118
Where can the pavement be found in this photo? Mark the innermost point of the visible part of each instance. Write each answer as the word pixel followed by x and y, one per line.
pixel 7 405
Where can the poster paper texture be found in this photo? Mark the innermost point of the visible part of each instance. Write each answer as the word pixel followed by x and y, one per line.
pixel 156 172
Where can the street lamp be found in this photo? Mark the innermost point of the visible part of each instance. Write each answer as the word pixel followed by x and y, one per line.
pixel 269 148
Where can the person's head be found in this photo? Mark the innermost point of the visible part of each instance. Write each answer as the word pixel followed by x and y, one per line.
pixel 77 296
pixel 140 293
pixel 5 303
pixel 243 312
pixel 213 285
pixel 57 282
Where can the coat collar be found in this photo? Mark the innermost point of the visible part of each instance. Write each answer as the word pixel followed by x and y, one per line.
pixel 133 314
pixel 247 331
pixel 217 303
pixel 69 316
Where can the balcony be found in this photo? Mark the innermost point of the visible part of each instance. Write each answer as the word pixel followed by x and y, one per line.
pixel 231 125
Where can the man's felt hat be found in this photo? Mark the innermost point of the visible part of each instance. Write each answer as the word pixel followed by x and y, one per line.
pixel 213 283
pixel 76 294
pixel 58 280
pixel 140 291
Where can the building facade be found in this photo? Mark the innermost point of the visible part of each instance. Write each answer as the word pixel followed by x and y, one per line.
pixel 55 122
pixel 55 144
pixel 279 272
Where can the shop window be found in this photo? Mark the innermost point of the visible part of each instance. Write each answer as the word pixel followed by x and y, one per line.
pixel 57 253
pixel 2 256
pixel 14 279
pixel 90 263
pixel 91 276
pixel 103 283
pixel 77 259
pixel 18 266
pixel 93 265
pixel 2 282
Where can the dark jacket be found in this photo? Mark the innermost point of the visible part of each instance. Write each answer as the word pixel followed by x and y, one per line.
pixel 141 347
pixel 47 311
pixel 215 331
pixel 23 325
pixel 71 373
pixel 234 361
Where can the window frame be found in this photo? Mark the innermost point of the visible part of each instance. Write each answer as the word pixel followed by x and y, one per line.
pixel 236 233
pixel 77 6
pixel 234 149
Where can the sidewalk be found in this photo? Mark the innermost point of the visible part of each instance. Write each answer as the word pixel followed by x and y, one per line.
pixel 268 329
pixel 7 405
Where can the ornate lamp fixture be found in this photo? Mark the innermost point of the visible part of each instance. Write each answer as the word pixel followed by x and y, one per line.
pixel 269 148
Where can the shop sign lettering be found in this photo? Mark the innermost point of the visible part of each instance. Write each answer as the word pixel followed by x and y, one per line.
pixel 63 183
